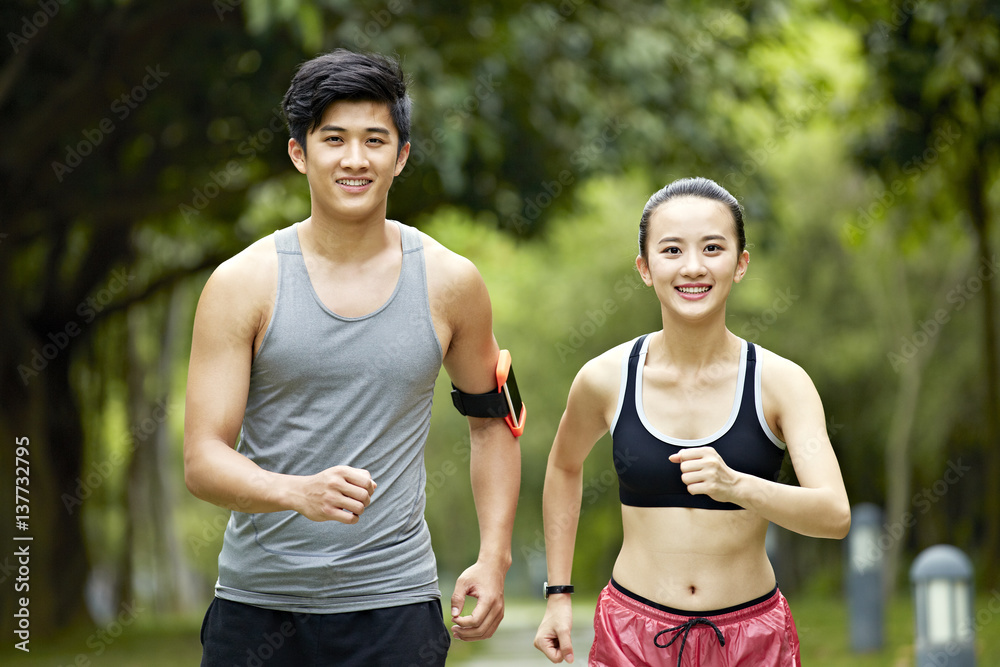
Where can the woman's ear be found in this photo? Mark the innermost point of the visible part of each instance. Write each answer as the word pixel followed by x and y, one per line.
pixel 741 266
pixel 643 266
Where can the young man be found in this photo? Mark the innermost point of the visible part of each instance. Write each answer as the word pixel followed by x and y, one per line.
pixel 317 348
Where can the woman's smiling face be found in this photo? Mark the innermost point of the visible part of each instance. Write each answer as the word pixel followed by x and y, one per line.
pixel 692 256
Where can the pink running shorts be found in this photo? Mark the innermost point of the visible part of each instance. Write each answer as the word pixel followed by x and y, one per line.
pixel 630 630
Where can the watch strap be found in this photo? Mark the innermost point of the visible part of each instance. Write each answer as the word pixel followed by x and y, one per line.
pixel 556 590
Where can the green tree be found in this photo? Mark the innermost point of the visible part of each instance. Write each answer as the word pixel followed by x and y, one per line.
pixel 936 150
pixel 142 146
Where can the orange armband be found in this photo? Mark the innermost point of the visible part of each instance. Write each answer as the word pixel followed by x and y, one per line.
pixel 503 402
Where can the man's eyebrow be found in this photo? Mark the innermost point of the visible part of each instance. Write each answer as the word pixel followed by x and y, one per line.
pixel 335 128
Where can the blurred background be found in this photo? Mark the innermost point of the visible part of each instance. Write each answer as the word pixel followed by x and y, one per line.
pixel 141 144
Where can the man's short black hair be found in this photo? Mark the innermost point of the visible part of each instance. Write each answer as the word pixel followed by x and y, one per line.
pixel 345 75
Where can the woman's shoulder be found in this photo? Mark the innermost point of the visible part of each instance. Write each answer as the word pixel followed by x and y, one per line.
pixel 602 374
pixel 781 375
pixel 610 360
pixel 594 393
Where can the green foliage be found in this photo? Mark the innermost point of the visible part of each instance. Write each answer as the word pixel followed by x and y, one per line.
pixel 557 302
pixel 862 140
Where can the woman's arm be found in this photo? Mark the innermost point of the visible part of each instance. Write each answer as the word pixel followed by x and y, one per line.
pixel 818 507
pixel 589 410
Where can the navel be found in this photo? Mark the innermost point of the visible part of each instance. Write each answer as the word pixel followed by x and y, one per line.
pixel 693 590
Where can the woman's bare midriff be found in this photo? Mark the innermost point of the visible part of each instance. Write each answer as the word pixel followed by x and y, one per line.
pixel 694 559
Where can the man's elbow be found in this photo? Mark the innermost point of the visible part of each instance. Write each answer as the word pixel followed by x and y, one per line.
pixel 192 478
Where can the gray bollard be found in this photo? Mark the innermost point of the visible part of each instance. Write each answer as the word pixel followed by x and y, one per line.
pixel 865 564
pixel 943 595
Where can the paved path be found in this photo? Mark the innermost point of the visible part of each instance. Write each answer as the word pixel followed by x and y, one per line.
pixel 513 643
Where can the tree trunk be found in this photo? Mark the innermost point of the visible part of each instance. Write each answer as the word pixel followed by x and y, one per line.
pixel 44 411
pixel 898 445
pixel 156 554
pixel 976 197
pixel 898 466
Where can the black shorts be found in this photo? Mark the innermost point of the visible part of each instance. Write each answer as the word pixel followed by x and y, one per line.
pixel 239 635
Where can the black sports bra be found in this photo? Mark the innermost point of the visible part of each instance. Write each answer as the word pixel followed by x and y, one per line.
pixel 647 478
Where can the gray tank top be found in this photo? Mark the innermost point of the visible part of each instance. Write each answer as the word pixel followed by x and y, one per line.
pixel 327 390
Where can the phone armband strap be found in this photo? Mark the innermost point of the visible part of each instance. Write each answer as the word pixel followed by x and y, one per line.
pixel 504 402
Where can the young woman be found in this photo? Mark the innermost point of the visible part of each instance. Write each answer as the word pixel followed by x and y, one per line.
pixel 700 421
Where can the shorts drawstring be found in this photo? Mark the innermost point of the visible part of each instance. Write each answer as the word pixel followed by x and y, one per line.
pixel 684 629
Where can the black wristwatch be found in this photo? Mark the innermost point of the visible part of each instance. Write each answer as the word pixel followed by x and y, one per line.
pixel 554 590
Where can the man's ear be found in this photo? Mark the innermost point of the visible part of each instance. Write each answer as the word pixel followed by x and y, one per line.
pixel 404 153
pixel 297 153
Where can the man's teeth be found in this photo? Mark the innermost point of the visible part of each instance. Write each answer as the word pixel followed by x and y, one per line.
pixel 353 181
pixel 693 290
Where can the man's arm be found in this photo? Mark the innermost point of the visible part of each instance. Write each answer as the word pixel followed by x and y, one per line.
pixel 232 312
pixel 495 466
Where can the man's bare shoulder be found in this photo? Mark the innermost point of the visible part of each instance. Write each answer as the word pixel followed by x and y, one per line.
pixel 253 269
pixel 240 293
pixel 456 288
